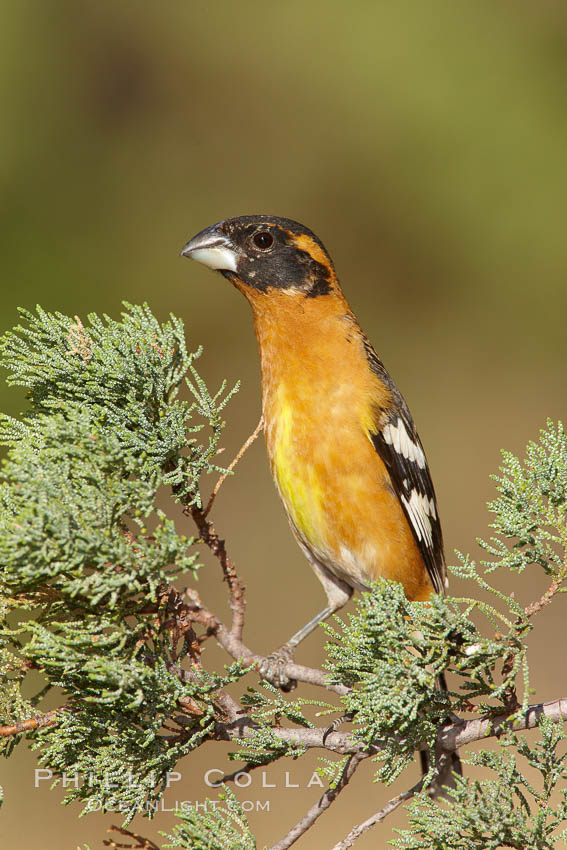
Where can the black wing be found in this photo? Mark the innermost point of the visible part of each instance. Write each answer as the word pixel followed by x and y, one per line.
pixel 397 442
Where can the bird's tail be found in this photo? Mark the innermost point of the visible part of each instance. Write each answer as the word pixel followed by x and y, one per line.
pixel 446 764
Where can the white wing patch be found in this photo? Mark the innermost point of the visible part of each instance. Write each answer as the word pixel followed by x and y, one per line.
pixel 398 437
pixel 420 510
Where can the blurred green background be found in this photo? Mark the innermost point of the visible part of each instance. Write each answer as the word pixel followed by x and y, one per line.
pixel 425 143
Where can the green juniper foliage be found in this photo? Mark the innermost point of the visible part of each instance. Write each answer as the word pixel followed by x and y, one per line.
pixel 89 552
pixel 86 551
pixel 268 709
pixel 217 828
pixel 507 810
pixel 391 653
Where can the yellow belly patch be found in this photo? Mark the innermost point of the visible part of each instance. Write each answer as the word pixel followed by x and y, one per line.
pixel 296 477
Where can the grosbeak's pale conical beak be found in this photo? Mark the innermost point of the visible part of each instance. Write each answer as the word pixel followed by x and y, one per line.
pixel 211 248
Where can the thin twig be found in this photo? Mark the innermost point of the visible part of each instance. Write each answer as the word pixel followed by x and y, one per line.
pixel 244 448
pixel 535 607
pixel 510 697
pixel 48 719
pixel 321 805
pixel 378 817
pixel 142 843
pixel 217 546
pixel 247 769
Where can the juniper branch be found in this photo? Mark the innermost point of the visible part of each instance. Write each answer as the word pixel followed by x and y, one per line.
pixel 454 735
pixel 217 546
pixel 47 719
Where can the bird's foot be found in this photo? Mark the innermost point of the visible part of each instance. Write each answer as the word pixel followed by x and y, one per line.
pixel 272 668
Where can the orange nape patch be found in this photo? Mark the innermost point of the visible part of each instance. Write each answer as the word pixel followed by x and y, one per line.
pixel 307 243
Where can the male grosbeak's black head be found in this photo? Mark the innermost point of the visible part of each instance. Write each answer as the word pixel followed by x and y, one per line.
pixel 265 252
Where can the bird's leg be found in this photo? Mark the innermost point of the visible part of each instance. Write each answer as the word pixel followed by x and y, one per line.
pixel 338 593
pixel 300 635
pixel 272 668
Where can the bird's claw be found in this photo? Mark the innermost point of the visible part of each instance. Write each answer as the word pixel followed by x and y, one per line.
pixel 345 718
pixel 272 669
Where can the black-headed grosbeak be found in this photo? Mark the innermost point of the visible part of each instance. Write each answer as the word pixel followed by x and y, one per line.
pixel 343 449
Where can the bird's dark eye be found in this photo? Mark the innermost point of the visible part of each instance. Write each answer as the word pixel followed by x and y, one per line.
pixel 263 240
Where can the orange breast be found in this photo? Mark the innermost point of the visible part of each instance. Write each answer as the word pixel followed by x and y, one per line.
pixel 320 402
